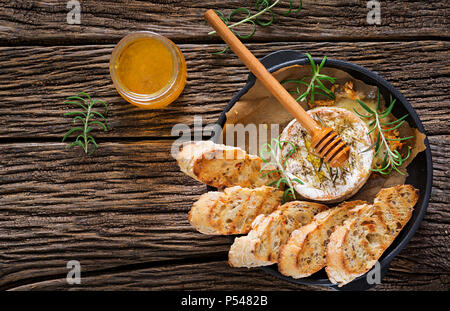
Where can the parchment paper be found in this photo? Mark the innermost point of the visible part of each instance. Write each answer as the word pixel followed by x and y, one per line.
pixel 259 107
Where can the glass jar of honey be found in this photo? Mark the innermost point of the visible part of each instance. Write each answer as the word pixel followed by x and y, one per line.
pixel 148 70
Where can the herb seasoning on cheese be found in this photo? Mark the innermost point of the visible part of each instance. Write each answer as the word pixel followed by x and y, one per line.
pixel 320 181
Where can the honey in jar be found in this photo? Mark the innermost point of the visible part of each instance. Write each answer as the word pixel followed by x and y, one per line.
pixel 148 70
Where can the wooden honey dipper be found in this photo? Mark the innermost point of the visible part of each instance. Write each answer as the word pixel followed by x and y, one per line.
pixel 325 141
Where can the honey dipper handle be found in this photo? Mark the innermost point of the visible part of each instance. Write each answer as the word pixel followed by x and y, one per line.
pixel 263 75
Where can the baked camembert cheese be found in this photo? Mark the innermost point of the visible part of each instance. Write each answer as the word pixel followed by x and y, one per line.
pixel 320 181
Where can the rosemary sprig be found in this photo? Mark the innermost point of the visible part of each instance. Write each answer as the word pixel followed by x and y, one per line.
pixel 315 86
pixel 392 159
pixel 86 118
pixel 263 7
pixel 273 150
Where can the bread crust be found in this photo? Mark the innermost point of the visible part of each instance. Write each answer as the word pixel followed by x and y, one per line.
pixel 200 211
pixel 217 213
pixel 242 251
pixel 261 246
pixel 222 166
pixel 288 261
pixel 391 211
pixel 335 256
pixel 291 260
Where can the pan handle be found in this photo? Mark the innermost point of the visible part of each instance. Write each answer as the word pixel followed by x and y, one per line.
pixel 280 57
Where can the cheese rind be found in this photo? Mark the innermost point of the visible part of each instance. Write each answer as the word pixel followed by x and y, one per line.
pixel 321 182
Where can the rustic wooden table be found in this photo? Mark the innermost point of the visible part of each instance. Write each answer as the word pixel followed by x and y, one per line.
pixel 122 213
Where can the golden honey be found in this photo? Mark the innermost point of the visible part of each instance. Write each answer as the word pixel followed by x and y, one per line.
pixel 148 70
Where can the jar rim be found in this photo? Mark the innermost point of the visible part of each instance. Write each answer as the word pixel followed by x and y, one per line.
pixel 136 97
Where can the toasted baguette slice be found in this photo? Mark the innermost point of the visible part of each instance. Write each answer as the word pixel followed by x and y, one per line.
pixel 366 222
pixel 261 246
pixel 305 251
pixel 233 211
pixel 355 247
pixel 223 166
pixel 397 204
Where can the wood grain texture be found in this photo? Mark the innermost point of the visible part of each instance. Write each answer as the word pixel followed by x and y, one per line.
pixel 103 21
pixel 128 205
pixel 216 275
pixel 34 82
pixel 123 212
pixel 219 276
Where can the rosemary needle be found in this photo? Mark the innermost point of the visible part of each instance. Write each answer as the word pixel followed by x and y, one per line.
pixel 273 150
pixel 263 7
pixel 315 86
pixel 392 159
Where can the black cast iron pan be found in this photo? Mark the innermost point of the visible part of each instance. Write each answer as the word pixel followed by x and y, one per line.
pixel 420 170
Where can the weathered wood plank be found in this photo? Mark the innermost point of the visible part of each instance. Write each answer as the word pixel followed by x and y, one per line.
pixel 199 276
pixel 46 21
pixel 57 205
pixel 34 82
pixel 219 276
pixel 128 204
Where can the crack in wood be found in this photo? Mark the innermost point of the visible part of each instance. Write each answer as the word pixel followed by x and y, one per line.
pixel 193 260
